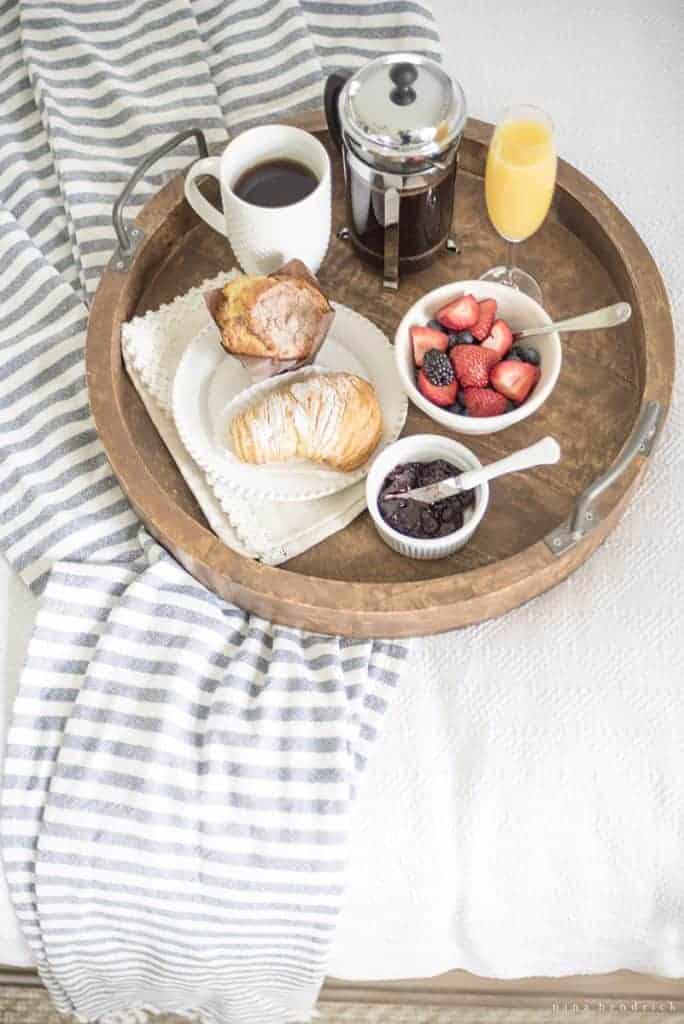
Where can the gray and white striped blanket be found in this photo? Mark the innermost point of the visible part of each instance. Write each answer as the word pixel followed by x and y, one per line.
pixel 179 774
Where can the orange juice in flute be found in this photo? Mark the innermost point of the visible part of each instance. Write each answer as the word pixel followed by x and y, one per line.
pixel 519 183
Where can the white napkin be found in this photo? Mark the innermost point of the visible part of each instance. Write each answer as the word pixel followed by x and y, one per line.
pixel 271 532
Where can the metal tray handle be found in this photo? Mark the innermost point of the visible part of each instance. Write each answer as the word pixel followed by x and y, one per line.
pixel 583 520
pixel 129 239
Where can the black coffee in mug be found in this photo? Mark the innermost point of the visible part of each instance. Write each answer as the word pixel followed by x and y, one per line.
pixel 275 183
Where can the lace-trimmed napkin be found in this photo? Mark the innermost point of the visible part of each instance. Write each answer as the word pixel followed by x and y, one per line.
pixel 271 532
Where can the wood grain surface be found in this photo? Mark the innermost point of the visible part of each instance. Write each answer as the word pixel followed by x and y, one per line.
pixel 585 256
pixel 460 996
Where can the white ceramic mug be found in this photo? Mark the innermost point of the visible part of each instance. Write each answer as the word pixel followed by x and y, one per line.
pixel 263 238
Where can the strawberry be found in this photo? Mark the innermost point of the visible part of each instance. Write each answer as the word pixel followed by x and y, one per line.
pixel 500 339
pixel 484 402
pixel 491 356
pixel 471 365
pixel 425 338
pixel 515 379
pixel 463 312
pixel 485 319
pixel 444 394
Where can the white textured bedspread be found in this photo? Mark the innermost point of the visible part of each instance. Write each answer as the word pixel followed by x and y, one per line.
pixel 550 845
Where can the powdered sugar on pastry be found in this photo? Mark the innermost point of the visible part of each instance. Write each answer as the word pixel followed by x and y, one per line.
pixel 319 404
pixel 332 418
pixel 272 432
pixel 287 316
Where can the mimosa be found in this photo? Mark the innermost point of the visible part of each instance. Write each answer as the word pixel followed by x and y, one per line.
pixel 519 183
pixel 521 173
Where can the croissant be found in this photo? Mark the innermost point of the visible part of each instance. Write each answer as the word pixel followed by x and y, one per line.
pixel 331 418
pixel 278 317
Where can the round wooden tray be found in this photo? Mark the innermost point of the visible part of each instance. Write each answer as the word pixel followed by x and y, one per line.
pixel 587 255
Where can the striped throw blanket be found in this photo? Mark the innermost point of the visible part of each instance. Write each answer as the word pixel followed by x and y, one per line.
pixel 179 775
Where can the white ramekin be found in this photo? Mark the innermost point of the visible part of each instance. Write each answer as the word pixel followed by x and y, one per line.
pixel 424 448
pixel 519 311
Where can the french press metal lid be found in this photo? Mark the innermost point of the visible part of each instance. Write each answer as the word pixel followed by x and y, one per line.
pixel 401 112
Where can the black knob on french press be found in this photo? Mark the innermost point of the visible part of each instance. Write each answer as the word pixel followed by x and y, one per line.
pixel 403 76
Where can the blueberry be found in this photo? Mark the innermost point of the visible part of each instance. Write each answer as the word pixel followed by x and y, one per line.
pixel 514 355
pixel 528 354
pixel 436 326
pixel 459 404
pixel 460 338
pixel 510 406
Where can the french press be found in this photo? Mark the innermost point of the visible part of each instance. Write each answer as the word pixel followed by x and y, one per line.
pixel 398 122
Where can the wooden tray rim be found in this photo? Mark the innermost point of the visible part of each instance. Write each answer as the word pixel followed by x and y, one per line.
pixel 370 609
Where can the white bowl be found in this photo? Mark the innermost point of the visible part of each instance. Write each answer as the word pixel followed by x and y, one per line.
pixel 519 311
pixel 424 448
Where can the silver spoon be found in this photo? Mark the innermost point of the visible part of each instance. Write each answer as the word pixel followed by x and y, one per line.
pixel 543 453
pixel 609 316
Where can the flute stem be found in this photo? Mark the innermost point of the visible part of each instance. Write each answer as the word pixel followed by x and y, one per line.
pixel 510 262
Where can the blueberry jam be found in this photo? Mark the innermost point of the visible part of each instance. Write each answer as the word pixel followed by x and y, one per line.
pixel 415 518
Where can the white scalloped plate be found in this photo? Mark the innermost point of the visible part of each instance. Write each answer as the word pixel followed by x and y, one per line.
pixel 208 380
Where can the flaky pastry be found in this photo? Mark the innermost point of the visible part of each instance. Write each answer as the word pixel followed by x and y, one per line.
pixel 331 418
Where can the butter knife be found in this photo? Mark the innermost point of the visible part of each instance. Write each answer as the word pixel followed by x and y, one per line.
pixel 544 453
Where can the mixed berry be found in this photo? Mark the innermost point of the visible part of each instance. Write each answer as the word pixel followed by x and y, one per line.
pixel 466 361
pixel 415 518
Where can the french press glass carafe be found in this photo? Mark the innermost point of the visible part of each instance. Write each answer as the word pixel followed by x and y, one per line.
pixel 398 123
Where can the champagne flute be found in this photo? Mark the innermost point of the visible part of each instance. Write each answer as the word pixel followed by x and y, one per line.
pixel 519 183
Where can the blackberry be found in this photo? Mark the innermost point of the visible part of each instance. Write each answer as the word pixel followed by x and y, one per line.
pixel 437 368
